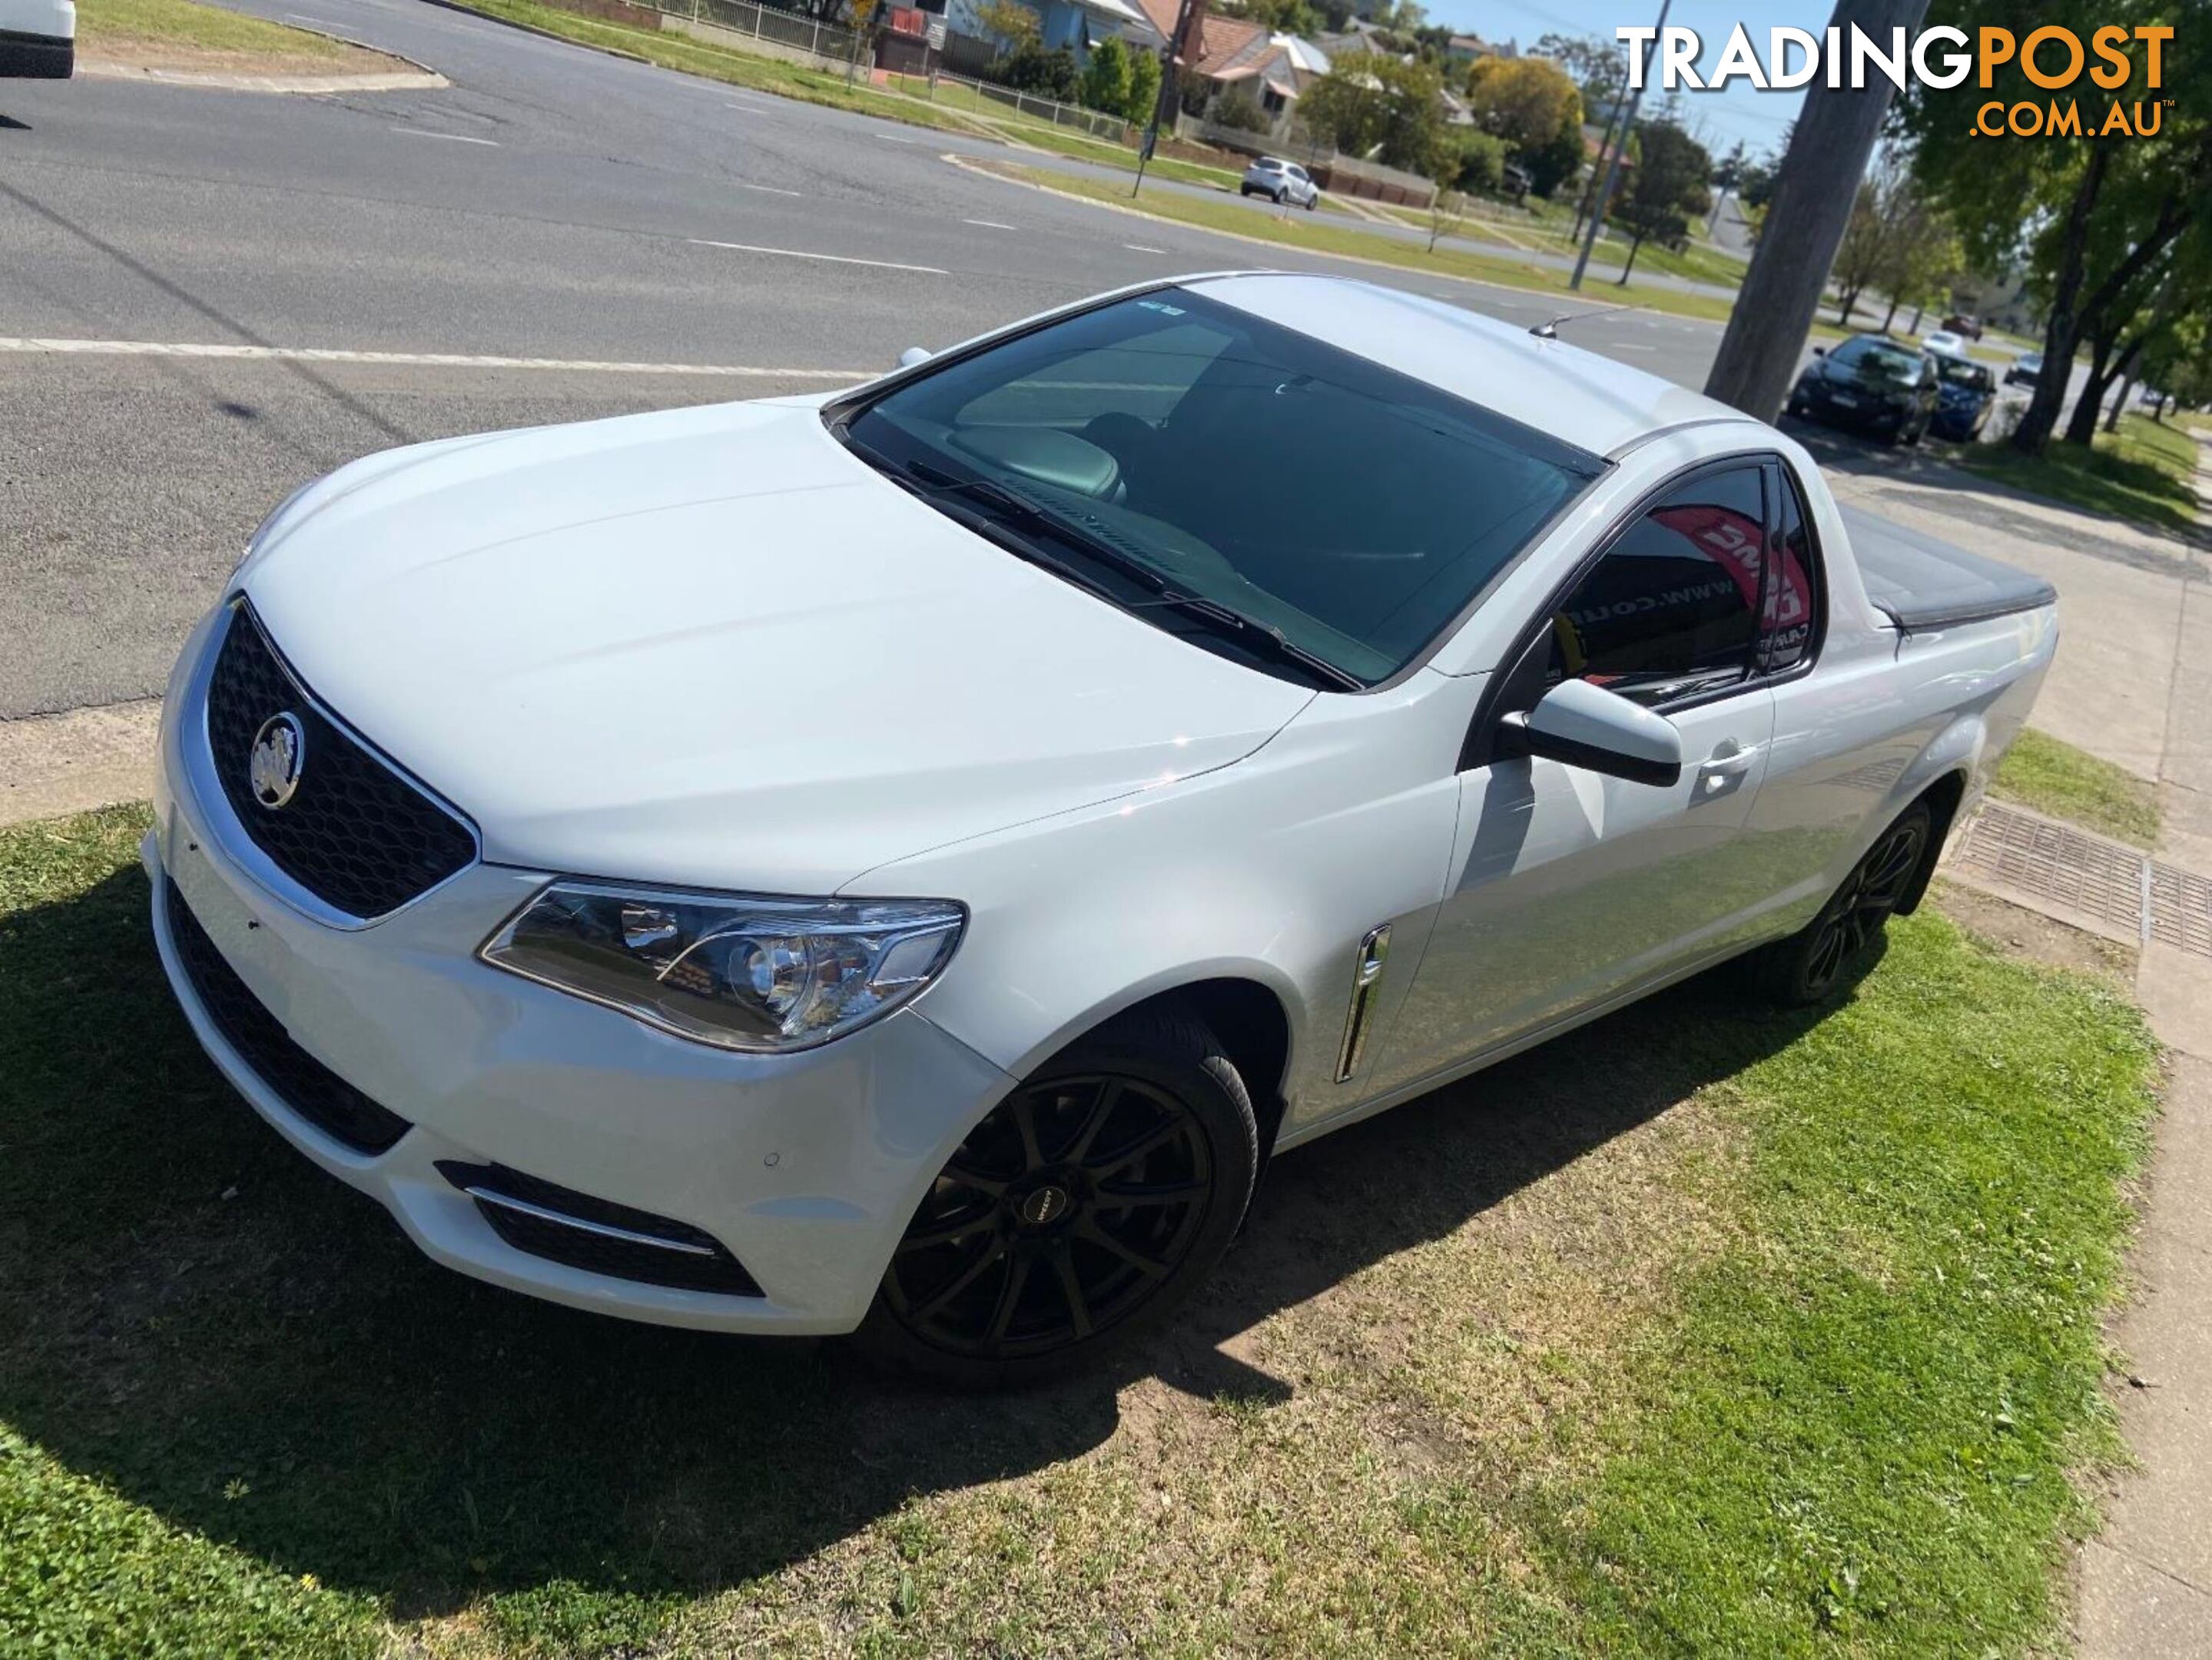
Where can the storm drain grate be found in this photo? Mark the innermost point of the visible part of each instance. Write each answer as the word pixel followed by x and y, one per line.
pixel 2103 884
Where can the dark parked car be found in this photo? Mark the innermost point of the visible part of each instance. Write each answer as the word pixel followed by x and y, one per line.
pixel 2025 371
pixel 1871 384
pixel 1966 323
pixel 1963 392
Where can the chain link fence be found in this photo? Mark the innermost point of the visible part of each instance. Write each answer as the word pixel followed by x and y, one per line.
pixel 792 29
pixel 982 97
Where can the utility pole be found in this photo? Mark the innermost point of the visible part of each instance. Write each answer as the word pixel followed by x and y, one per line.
pixel 1604 149
pixel 1612 167
pixel 1170 97
pixel 1812 204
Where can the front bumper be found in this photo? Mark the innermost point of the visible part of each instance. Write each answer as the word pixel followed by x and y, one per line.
pixel 28 57
pixel 805 1167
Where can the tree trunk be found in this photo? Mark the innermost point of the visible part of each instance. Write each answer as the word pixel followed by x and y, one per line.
pixel 1805 222
pixel 1844 307
pixel 1913 327
pixel 1634 243
pixel 2059 335
pixel 2082 424
pixel 1891 317
pixel 2112 414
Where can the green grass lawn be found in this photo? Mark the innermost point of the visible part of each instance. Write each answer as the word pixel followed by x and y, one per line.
pixel 1326 235
pixel 2038 771
pixel 2144 472
pixel 129 28
pixel 1713 1331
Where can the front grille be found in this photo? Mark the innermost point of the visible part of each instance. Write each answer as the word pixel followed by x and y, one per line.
pixel 303 1083
pixel 354 834
pixel 597 1235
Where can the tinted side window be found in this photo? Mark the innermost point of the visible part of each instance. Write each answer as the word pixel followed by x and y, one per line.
pixel 1672 609
pixel 1792 613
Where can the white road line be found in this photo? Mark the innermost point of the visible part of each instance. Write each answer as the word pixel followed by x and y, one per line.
pixel 987 224
pixel 21 343
pixel 830 258
pixel 449 137
pixel 312 22
pixel 765 190
pixel 892 138
pixel 750 109
pixel 1138 247
pixel 1630 345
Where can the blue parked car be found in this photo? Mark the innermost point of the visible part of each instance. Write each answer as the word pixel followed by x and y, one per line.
pixel 1963 392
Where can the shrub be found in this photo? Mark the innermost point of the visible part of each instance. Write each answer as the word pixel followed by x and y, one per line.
pixel 1105 83
pixel 1030 68
pixel 1238 109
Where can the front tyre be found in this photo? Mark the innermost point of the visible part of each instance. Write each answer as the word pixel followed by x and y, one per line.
pixel 1084 1207
pixel 1834 948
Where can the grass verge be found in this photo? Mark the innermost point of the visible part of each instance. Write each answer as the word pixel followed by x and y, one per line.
pixel 1324 237
pixel 182 34
pixel 2144 472
pixel 1713 1331
pixel 2038 771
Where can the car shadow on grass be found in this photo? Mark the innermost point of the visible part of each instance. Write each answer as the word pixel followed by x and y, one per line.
pixel 192 1314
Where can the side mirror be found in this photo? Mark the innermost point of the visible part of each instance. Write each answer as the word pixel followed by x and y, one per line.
pixel 912 355
pixel 1580 725
pixel 1820 351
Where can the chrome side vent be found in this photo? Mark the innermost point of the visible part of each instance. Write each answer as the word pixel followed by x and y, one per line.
pixel 1366 978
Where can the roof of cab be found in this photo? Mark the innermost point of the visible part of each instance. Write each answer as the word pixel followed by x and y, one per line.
pixel 1558 388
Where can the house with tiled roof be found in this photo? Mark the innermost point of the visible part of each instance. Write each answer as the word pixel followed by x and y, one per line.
pixel 1234 54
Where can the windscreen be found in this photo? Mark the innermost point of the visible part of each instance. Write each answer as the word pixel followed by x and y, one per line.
pixel 1353 509
pixel 1880 360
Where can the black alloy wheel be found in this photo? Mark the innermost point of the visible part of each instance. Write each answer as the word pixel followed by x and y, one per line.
pixel 1094 1195
pixel 1813 962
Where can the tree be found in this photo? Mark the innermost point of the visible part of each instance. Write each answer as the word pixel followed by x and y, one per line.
pixel 1526 101
pixel 1559 162
pixel 1754 186
pixel 1144 87
pixel 2091 217
pixel 1371 104
pixel 1105 83
pixel 1010 24
pixel 1668 186
pixel 1598 67
pixel 1280 16
pixel 1728 172
pixel 1897 241
pixel 1471 162
pixel 1859 255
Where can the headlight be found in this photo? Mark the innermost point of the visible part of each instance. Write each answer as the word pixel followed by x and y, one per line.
pixel 742 972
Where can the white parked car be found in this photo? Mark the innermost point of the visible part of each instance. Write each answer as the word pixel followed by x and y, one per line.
pixel 1280 181
pixel 38 40
pixel 902 860
pixel 1944 344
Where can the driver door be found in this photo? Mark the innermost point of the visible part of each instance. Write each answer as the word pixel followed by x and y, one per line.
pixel 1569 887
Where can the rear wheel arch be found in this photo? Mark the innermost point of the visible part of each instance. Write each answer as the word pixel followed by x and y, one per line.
pixel 1942 799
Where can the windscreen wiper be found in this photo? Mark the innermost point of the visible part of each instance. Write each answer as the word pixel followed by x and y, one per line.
pixel 1262 639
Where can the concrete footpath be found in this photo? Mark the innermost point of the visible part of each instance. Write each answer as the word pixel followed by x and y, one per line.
pixel 2145 1586
pixel 2133 684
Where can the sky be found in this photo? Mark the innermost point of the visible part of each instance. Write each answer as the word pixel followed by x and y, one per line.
pixel 1737 112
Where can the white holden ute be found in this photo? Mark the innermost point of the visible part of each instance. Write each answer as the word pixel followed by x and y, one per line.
pixel 901 862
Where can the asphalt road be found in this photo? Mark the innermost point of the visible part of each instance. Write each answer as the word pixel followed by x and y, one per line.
pixel 554 204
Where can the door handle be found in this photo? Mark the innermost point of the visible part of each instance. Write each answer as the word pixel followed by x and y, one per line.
pixel 1721 774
